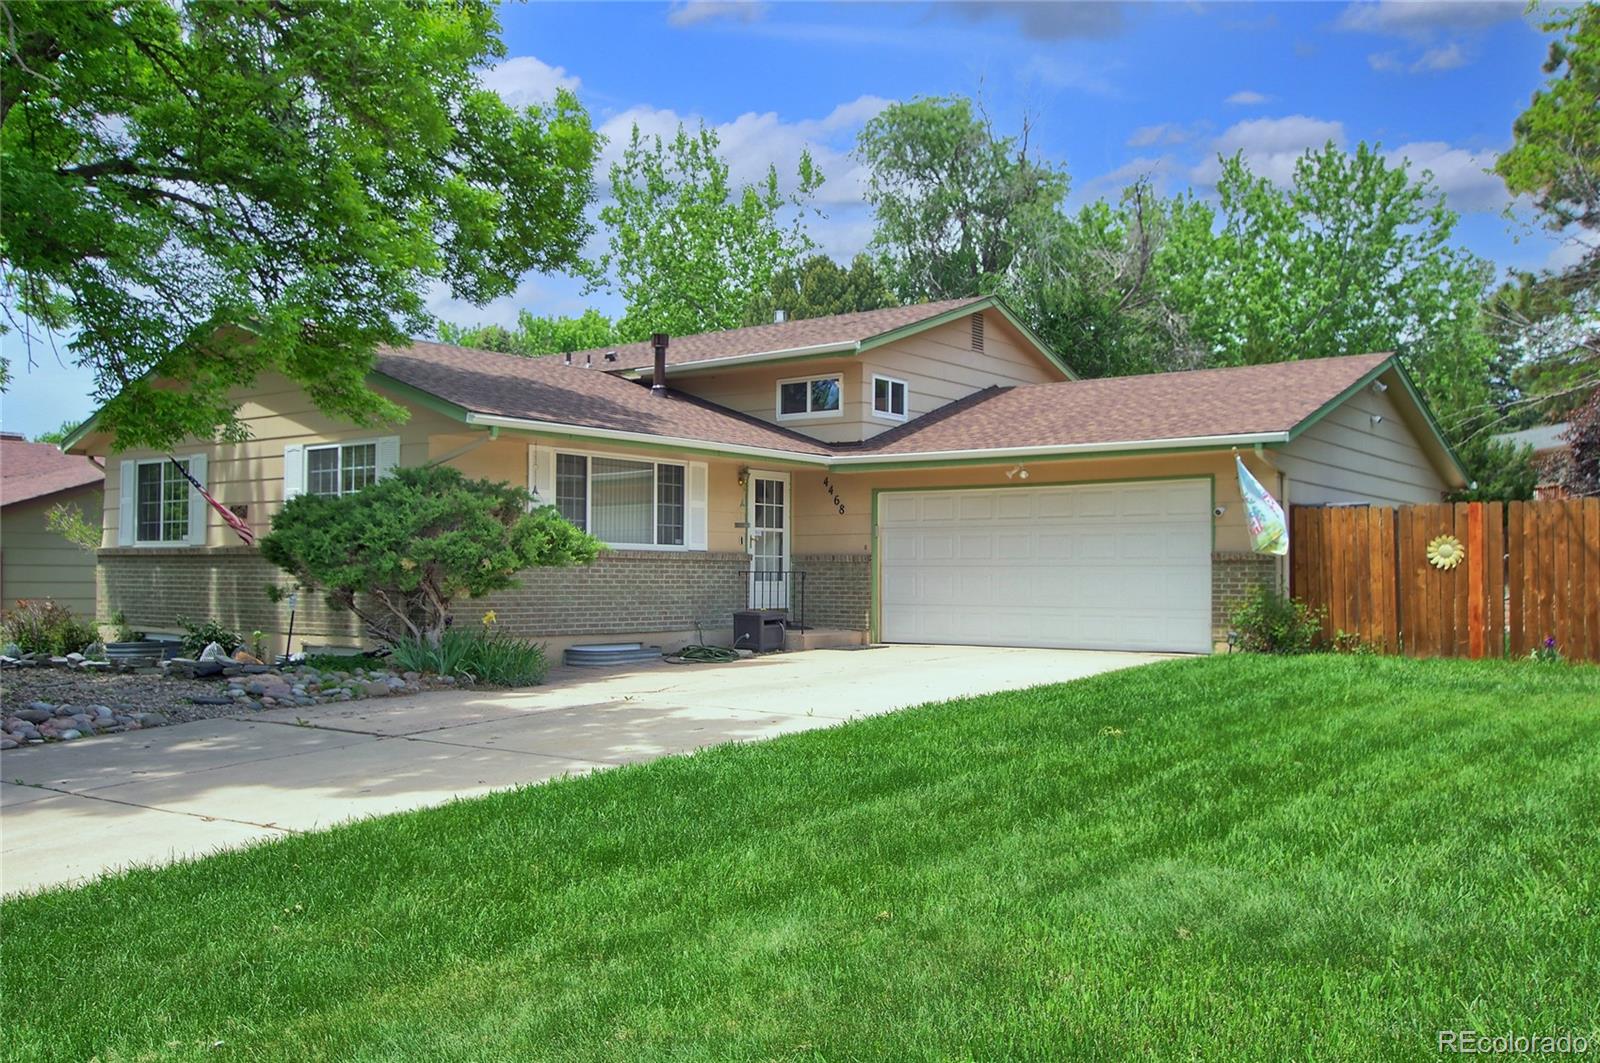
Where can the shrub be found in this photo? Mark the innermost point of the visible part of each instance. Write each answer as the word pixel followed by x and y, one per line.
pixel 1269 622
pixel 126 632
pixel 40 625
pixel 397 552
pixel 197 636
pixel 490 657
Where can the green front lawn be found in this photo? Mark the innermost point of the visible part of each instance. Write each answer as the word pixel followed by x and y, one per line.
pixel 1230 858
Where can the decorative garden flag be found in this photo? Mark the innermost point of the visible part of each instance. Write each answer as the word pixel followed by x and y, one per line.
pixel 1269 534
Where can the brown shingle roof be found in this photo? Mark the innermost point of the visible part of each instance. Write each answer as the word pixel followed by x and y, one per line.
pixel 546 389
pixel 1244 400
pixel 765 339
pixel 34 470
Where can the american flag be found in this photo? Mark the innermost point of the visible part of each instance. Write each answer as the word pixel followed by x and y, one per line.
pixel 239 526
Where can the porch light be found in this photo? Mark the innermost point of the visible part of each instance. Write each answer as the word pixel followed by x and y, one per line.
pixel 1016 472
pixel 1377 419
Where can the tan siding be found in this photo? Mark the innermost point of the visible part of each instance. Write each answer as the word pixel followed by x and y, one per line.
pixel 754 392
pixel 278 413
pixel 939 366
pixel 1345 458
pixel 35 562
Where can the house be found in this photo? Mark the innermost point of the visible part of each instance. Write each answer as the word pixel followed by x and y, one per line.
pixel 1549 448
pixel 927 473
pixel 36 562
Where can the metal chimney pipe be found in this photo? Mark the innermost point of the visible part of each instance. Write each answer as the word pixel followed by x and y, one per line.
pixel 658 385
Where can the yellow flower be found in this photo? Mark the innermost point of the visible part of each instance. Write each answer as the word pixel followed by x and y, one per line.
pixel 1446 552
pixel 488 618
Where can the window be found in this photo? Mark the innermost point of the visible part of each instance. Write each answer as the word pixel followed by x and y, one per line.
pixel 624 503
pixel 162 503
pixel 340 469
pixel 813 397
pixel 889 398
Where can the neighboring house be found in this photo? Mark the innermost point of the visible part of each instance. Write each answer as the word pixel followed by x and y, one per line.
pixel 36 562
pixel 1548 448
pixel 921 474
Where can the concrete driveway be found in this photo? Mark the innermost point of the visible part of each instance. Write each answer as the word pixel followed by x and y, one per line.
pixel 75 810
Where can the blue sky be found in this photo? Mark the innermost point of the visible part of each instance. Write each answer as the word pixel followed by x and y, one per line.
pixel 1114 91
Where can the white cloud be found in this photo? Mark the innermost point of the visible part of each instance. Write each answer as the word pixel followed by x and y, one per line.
pixel 1444 57
pixel 1065 74
pixel 1432 60
pixel 1246 98
pixel 1157 169
pixel 1463 176
pixel 526 81
pixel 1084 19
pixel 753 141
pixel 1271 146
pixel 1422 18
pixel 1164 133
pixel 694 12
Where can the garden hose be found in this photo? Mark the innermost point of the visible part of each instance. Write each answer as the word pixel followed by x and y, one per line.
pixel 707 654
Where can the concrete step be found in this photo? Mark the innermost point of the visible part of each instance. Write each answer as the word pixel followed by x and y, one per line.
pixel 822 638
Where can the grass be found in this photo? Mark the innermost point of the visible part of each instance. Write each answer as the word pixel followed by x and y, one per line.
pixel 1230 858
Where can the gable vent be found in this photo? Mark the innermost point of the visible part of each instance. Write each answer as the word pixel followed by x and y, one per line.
pixel 977 332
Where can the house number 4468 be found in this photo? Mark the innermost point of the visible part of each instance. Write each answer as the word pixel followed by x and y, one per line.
pixel 833 494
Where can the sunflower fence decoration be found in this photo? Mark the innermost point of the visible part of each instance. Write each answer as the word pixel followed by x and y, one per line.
pixel 1445 552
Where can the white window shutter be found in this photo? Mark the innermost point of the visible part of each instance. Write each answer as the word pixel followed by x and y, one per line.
pixel 199 509
pixel 542 475
pixel 294 470
pixel 127 495
pixel 695 518
pixel 388 455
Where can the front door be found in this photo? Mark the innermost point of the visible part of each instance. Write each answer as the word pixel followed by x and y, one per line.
pixel 768 504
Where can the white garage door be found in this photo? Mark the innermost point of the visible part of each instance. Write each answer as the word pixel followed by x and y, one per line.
pixel 1123 566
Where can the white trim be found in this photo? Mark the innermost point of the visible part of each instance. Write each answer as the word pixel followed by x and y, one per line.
pixel 839 347
pixel 1064 449
pixel 385 457
pixel 836 460
pixel 905 398
pixel 189 494
pixel 655 492
pixel 809 414
pixel 127 511
pixel 681 442
pixel 768 601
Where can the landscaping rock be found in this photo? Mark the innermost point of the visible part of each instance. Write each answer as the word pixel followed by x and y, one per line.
pixel 34 714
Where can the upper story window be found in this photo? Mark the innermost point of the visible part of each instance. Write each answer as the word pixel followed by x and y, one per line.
pixel 162 502
pixel 340 468
pixel 888 398
pixel 819 396
pixel 624 503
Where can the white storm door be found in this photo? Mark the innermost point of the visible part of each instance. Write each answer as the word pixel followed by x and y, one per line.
pixel 769 540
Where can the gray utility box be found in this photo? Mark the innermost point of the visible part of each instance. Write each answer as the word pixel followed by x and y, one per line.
pixel 760 630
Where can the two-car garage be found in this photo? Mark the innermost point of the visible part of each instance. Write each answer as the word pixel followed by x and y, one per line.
pixel 1117 566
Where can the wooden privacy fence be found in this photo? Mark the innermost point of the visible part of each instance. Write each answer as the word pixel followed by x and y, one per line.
pixel 1529 571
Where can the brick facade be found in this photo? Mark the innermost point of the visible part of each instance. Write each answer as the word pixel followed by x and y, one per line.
pixel 153 587
pixel 1233 577
pixel 838 590
pixel 623 592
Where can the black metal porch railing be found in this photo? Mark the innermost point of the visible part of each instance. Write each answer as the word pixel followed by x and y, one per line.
pixel 780 589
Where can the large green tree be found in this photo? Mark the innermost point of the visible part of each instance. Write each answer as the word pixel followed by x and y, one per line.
pixel 304 169
pixel 955 202
pixel 536 335
pixel 820 287
pixel 687 250
pixel 1551 320
pixel 1356 255
pixel 1097 285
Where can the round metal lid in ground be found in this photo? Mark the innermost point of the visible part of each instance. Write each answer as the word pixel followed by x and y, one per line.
pixel 599 654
